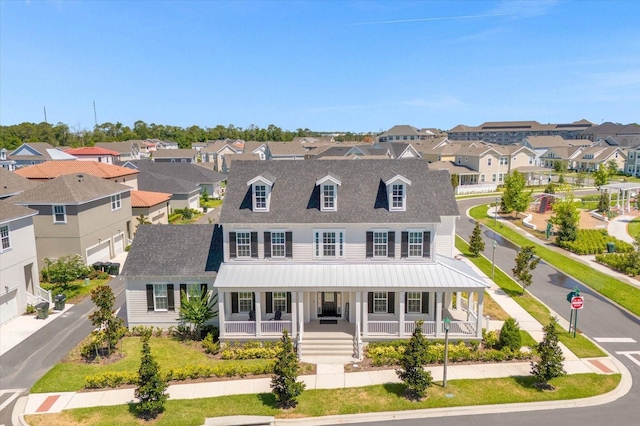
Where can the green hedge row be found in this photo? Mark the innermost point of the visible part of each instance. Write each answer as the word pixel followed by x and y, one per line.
pixel 627 263
pixel 594 241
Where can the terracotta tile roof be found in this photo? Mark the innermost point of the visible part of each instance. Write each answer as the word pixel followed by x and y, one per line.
pixel 148 198
pixel 53 169
pixel 91 150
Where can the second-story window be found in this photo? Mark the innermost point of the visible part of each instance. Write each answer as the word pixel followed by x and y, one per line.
pixel 415 243
pixel 489 161
pixel 116 202
pixel 277 244
pixel 380 244
pixel 4 235
pixel 243 244
pixel 260 194
pixel 328 197
pixel 59 214
pixel 329 244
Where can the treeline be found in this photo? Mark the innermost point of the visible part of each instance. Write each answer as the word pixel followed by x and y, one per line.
pixel 60 134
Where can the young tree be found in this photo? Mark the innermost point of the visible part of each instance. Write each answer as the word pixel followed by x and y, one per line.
pixel 205 195
pixel 142 220
pixel 510 335
pixel 476 243
pixel 567 217
pixel 561 179
pixel 579 180
pixel 412 372
pixel 603 202
pixel 550 362
pixel 285 373
pixel 196 310
pixel 600 176
pixel 559 166
pixel 65 269
pixel 110 328
pixel 455 181
pixel 151 385
pixel 526 261
pixel 514 197
pixel 612 167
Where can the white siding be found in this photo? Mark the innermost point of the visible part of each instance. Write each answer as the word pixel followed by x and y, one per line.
pixel 445 236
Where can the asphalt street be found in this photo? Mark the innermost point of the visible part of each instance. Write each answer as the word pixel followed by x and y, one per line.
pixel 23 365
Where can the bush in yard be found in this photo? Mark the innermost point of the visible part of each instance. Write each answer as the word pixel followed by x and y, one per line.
pixel 550 359
pixel 603 203
pixel 151 385
pixel 284 382
pixel 411 371
pixel 489 338
pixel 64 270
pixel 510 335
pixel 197 309
pixel 209 345
pixel 109 328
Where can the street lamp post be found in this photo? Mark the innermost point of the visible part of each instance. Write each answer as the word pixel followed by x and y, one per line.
pixel 447 325
pixel 493 260
pixel 495 214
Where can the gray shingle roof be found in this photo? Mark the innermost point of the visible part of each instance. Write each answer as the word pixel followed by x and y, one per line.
pixel 173 178
pixel 361 197
pixel 12 184
pixel 70 189
pixel 175 250
pixel 9 211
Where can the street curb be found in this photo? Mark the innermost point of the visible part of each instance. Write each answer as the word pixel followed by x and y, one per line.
pixel 621 390
pixel 17 417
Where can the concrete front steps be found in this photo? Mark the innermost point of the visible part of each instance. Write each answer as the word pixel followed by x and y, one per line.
pixel 329 345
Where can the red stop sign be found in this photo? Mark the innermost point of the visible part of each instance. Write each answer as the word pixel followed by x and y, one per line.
pixel 577 302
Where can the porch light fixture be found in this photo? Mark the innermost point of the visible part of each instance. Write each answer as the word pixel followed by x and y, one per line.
pixel 447 326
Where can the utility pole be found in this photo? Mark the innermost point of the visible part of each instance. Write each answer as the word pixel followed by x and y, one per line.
pixel 45 115
pixel 95 116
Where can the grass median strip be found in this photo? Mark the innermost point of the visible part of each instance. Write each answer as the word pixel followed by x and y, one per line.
pixel 579 345
pixel 313 403
pixel 623 294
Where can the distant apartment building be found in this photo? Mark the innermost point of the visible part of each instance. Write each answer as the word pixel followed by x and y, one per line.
pixel 508 132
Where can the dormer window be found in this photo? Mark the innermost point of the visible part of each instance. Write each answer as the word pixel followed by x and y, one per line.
pixel 397 197
pixel 328 192
pixel 261 187
pixel 397 191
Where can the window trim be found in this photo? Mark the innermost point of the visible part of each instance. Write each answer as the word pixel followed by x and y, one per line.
pixel 318 244
pixel 63 213
pixel 282 300
pixel 263 197
pixel 409 299
pixel 238 245
pixel 155 297
pixel 402 197
pixel 385 299
pixel 249 298
pixel 116 202
pixel 409 244
pixel 385 244
pixel 5 237
pixel 333 198
pixel 283 244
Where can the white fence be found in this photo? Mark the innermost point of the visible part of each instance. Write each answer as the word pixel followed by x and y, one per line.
pixel 248 328
pixel 480 188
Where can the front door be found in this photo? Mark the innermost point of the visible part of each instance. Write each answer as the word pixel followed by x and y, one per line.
pixel 329 305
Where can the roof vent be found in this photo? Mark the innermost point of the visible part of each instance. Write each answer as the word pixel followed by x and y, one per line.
pixel 80 177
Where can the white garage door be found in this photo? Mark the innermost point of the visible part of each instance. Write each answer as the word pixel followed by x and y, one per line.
pixel 8 306
pixel 118 244
pixel 193 202
pixel 98 253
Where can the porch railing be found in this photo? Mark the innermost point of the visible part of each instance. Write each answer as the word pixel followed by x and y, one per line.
pixel 428 328
pixel 240 327
pixel 267 328
pixel 44 294
pixel 275 327
pixel 383 327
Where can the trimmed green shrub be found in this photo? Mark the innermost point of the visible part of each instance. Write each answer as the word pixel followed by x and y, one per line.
pixel 594 241
pixel 510 335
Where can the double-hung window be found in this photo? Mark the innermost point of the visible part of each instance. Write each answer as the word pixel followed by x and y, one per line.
pixel 380 243
pixel 280 301
pixel 397 196
pixel 160 297
pixel 260 194
pixel 380 302
pixel 415 243
pixel 243 244
pixel 4 235
pixel 245 301
pixel 328 244
pixel 278 244
pixel 59 214
pixel 328 197
pixel 414 302
pixel 193 290
pixel 116 202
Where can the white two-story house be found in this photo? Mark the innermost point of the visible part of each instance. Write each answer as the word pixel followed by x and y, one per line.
pixel 363 245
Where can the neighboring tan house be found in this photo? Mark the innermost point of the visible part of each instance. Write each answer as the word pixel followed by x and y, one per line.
pixel 404 133
pixel 564 154
pixel 540 144
pixel 175 155
pixel 31 153
pixel 590 158
pixel 13 184
pixel 623 134
pixel 164 261
pixel 53 169
pixel 492 166
pixel 19 278
pixel 154 206
pixel 361 247
pixel 127 150
pixel 79 214
pixel 94 153
pixel 215 152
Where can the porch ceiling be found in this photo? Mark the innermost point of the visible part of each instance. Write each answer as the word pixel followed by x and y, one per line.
pixel 442 274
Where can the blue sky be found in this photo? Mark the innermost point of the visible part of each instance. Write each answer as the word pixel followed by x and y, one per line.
pixel 324 65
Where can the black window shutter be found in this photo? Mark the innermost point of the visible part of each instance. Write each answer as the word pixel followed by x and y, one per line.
pixel 267 244
pixel 269 306
pixel 203 287
pixel 289 244
pixel 288 301
pixel 254 244
pixel 391 302
pixel 370 302
pixel 404 245
pixel 426 244
pixel 391 244
pixel 253 301
pixel 232 244
pixel 149 297
pixel 369 244
pixel 183 288
pixel 425 302
pixel 170 298
pixel 406 300
pixel 234 303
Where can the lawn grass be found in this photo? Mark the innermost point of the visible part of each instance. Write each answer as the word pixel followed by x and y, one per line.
pixel 75 290
pixel 70 376
pixel 211 203
pixel 623 294
pixel 633 228
pixel 579 345
pixel 313 403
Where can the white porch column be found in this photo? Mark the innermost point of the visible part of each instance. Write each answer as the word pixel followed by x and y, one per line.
pixel 480 306
pixel 365 315
pixel 258 310
pixel 401 316
pixel 358 309
pixel 301 316
pixel 294 314
pixel 458 300
pixel 221 313
pixel 438 296
pixel 470 307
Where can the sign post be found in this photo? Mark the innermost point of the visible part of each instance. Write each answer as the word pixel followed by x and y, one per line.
pixel 577 302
